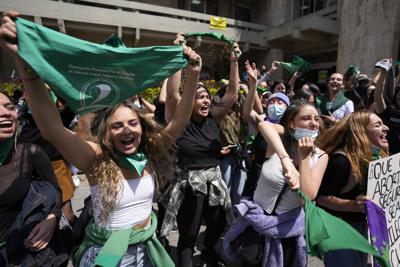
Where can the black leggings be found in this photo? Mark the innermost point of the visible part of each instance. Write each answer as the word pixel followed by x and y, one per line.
pixel 195 207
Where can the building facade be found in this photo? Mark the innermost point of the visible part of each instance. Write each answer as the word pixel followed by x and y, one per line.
pixel 330 34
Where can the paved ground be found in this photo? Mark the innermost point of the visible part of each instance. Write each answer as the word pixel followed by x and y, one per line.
pixel 83 191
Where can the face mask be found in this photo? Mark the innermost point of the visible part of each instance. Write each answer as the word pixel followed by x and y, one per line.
pixel 300 132
pixel 275 112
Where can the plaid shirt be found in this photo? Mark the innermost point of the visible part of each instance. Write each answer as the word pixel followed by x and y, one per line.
pixel 197 179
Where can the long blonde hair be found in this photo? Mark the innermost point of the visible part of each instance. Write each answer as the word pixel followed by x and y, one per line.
pixel 350 136
pixel 155 144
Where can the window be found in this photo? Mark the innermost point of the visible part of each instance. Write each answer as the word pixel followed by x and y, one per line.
pixel 204 6
pixel 243 13
pixel 304 7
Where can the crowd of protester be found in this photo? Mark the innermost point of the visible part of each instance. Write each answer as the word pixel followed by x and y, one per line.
pixel 203 159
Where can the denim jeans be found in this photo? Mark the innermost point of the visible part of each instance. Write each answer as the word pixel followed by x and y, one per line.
pixel 348 257
pixel 234 178
pixel 135 256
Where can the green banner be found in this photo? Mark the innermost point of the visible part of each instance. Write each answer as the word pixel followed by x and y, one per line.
pixel 91 76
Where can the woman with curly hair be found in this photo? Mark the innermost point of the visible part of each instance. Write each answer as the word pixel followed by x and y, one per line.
pixel 121 165
pixel 351 144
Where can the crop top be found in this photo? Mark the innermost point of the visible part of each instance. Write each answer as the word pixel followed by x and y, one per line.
pixel 133 204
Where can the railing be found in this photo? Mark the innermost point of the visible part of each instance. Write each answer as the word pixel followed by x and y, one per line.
pixel 168 12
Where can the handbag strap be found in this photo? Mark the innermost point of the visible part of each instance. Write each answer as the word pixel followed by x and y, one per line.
pixel 278 199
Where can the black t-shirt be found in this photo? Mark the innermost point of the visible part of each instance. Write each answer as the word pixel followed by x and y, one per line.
pixel 335 178
pixel 159 113
pixel 31 134
pixel 391 118
pixel 15 185
pixel 258 151
pixel 199 145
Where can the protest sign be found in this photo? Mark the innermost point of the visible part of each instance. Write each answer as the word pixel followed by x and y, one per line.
pixel 384 189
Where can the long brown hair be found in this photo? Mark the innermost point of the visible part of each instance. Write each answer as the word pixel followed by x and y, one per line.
pixel 154 144
pixel 350 136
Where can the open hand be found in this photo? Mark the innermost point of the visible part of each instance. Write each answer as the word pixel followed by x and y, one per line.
pixel 251 71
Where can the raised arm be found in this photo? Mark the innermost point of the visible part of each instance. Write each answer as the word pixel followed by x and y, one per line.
pixel 163 92
pixel 231 94
pixel 172 95
pixel 184 109
pixel 378 79
pixel 172 87
pixel 292 81
pixel 310 177
pixel 248 112
pixel 271 133
pixel 80 153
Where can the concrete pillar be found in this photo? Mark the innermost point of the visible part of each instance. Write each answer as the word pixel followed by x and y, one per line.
pixel 368 32
pixel 271 13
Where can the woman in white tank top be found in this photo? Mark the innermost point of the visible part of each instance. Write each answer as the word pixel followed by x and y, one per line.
pixel 119 165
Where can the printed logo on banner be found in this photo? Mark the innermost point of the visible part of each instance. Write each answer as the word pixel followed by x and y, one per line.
pixel 99 93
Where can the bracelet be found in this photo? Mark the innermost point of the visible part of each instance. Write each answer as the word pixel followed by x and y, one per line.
pixel 284 156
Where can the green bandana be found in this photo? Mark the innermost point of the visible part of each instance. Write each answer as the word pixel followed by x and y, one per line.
pixel 261 89
pixel 339 101
pixel 216 35
pixel 5 148
pixel 297 64
pixel 325 232
pixel 135 162
pixel 91 76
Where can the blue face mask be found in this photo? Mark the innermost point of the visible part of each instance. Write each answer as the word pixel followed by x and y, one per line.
pixel 275 112
pixel 300 132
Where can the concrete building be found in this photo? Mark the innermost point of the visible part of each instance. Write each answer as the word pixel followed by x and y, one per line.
pixel 330 34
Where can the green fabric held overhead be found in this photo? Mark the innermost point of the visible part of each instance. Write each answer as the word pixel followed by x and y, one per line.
pixel 91 76
pixel 5 148
pixel 297 64
pixel 216 35
pixel 325 232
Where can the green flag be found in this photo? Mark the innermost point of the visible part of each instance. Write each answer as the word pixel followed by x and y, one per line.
pixel 297 64
pixel 325 232
pixel 91 76
pixel 215 35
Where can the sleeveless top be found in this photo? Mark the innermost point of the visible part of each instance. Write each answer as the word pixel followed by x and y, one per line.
pixel 133 204
pixel 271 183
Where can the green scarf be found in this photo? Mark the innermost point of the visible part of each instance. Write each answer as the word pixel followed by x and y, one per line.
pixel 115 244
pixel 91 76
pixel 135 162
pixel 297 64
pixel 339 101
pixel 215 35
pixel 5 148
pixel 325 232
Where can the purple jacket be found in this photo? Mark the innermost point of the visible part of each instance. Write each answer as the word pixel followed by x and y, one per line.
pixel 274 228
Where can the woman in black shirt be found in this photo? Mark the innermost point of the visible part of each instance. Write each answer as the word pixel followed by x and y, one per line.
pixel 197 190
pixel 351 144
pixel 20 165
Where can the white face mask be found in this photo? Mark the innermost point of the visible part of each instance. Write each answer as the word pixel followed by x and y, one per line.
pixel 301 132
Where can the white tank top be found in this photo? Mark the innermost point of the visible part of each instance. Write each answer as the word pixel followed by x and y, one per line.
pixel 271 183
pixel 133 205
